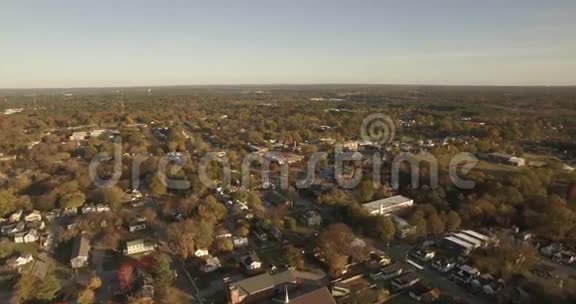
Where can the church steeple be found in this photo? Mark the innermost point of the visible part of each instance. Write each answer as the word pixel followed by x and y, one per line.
pixel 286 299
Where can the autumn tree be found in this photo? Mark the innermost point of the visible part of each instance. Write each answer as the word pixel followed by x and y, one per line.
pixel 453 221
pixel 224 244
pixel 7 202
pixel 31 288
pixel 125 276
pixel 382 228
pixel 211 210
pixel 335 244
pixel 72 200
pixel 162 274
pixel 295 257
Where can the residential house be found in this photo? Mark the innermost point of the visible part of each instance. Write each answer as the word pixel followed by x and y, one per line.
pixel 52 214
pixel 13 228
pixel 33 216
pixel 137 224
pixel 503 158
pixel 29 236
pixel 405 281
pixel 88 209
pixel 211 264
pixel 464 274
pixel 78 136
pixel 102 208
pixel 422 254
pixel 443 265
pixel 202 253
pixel 70 211
pixel 21 260
pixel 16 216
pixel 376 260
pixel 251 262
pixel 36 225
pixel 254 148
pixel 388 272
pixel 80 252
pixel 222 233
pixel 139 246
pixel 311 218
pixel 239 241
pixel 351 145
pixel 283 158
pixel 388 205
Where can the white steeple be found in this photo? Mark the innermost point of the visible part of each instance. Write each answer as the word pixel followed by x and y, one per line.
pixel 286 299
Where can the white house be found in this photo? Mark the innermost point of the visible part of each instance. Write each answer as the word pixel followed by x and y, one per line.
pixel 80 252
pixel 212 264
pixel 138 246
pixel 29 236
pixel 201 252
pixel 239 241
pixel 33 216
pixel 251 262
pixel 78 136
pixel 21 260
pixel 102 208
pixel 15 217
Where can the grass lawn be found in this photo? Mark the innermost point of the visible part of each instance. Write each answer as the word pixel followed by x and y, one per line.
pixel 272 256
pixel 9 248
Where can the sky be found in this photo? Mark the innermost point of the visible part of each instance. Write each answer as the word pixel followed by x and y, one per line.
pixel 61 43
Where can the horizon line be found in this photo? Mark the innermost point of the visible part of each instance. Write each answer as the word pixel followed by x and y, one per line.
pixel 286 84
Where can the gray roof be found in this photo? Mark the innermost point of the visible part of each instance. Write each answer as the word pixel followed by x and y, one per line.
pixel 255 284
pixel 81 247
pixel 284 277
pixel 386 202
pixel 265 281
pixel 318 296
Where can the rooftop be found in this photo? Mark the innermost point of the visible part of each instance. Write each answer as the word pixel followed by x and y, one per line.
pixel 387 202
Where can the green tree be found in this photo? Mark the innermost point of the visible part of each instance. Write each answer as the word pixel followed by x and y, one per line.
pixel 182 238
pixel 453 221
pixel 254 201
pixel 365 190
pixel 156 185
pixel 7 202
pixel 295 257
pixel 212 211
pixel 113 196
pixel 72 200
pixel 31 288
pixel 435 224
pixel 162 274
pixel 203 234
pixel 382 227
pixel 224 245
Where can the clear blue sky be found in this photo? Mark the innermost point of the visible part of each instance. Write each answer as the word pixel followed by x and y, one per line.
pixel 117 43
